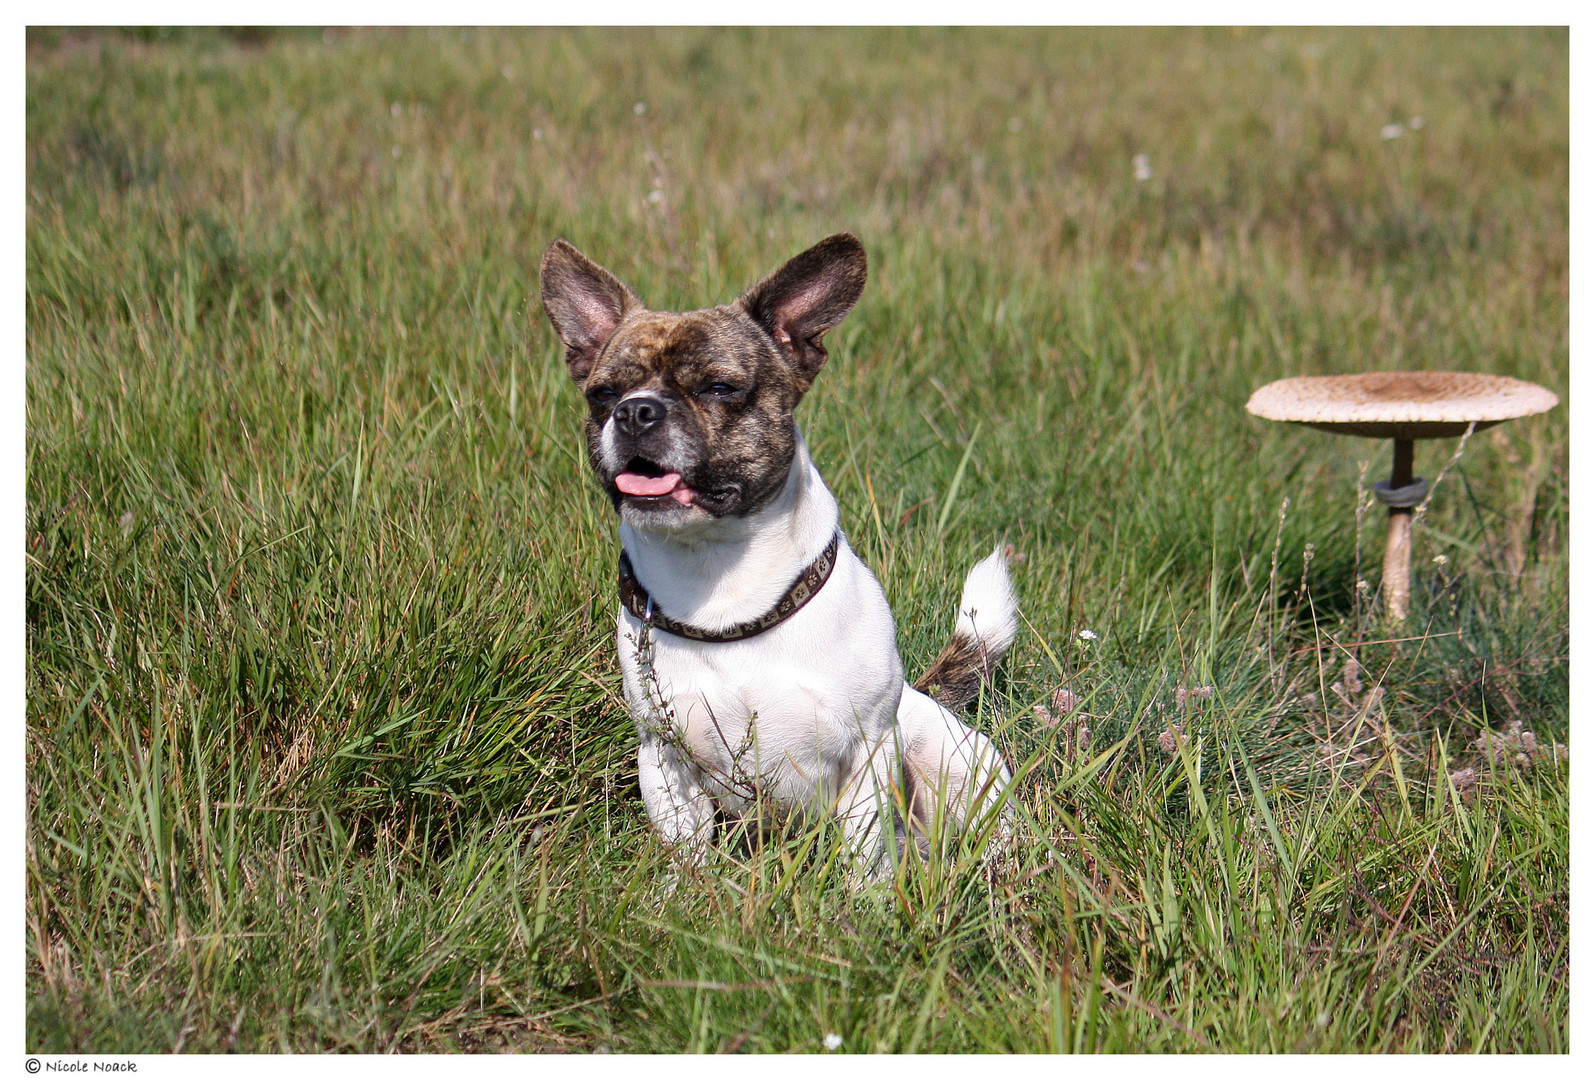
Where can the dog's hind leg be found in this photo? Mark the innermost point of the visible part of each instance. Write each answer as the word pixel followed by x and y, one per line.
pixel 955 774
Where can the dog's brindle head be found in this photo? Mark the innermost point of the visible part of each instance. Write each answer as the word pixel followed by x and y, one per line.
pixel 690 413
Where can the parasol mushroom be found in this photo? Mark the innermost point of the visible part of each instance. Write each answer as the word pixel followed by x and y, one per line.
pixel 1404 406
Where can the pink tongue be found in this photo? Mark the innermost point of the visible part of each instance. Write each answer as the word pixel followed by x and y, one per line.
pixel 669 484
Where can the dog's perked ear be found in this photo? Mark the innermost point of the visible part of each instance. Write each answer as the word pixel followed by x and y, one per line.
pixel 808 296
pixel 585 303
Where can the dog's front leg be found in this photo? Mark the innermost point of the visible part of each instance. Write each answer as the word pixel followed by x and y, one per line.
pixel 865 807
pixel 677 803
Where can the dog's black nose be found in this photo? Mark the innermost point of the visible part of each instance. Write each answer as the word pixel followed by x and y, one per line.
pixel 639 414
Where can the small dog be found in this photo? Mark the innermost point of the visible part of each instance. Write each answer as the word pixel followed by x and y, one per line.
pixel 758 651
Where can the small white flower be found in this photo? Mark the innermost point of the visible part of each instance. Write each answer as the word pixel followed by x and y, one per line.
pixel 1391 131
pixel 1416 123
pixel 1440 560
pixel 656 195
pixel 833 1041
pixel 1142 164
pixel 1088 635
pixel 640 108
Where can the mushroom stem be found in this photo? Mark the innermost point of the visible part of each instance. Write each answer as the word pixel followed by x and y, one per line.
pixel 1398 543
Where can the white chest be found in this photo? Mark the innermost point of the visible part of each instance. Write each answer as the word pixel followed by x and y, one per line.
pixel 786 713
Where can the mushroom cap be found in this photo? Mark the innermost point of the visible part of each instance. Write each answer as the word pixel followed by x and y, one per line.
pixel 1400 404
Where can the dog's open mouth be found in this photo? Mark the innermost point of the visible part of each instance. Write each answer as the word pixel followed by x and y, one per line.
pixel 643 479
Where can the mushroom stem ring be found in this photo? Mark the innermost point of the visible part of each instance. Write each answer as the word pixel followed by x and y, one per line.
pixel 1408 496
pixel 1402 406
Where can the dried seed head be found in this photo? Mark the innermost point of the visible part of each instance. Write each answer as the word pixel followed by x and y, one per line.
pixel 1352 677
pixel 1523 747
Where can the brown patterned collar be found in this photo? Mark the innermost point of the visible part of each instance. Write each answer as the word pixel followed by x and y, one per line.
pixel 808 583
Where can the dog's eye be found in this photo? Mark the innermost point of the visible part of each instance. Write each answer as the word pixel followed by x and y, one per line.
pixel 600 395
pixel 718 389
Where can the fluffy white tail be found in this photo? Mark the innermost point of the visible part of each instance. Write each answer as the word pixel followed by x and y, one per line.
pixel 988 622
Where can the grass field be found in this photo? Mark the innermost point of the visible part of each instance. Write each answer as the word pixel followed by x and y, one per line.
pixel 325 749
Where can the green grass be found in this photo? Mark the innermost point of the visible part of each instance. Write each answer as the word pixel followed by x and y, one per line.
pixel 325 748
